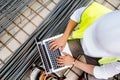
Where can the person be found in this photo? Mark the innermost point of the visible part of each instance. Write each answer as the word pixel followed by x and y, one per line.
pixel 98 41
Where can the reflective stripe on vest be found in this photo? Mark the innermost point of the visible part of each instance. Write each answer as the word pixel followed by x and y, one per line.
pixel 108 60
pixel 90 14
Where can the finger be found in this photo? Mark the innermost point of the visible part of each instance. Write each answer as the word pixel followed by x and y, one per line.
pixel 60 64
pixel 59 60
pixel 53 46
pixel 52 40
pixel 61 57
pixel 56 47
pixel 66 54
pixel 61 49
pixel 52 43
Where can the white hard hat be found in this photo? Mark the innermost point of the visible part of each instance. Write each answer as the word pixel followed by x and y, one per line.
pixel 103 37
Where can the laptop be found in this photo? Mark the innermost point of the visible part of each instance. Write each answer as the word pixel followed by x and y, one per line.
pixel 48 56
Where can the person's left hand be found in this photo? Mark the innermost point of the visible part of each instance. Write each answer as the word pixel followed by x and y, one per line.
pixel 66 60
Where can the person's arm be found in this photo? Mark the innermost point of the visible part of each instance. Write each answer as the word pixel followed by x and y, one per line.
pixel 61 41
pixel 71 25
pixel 100 72
pixel 84 66
pixel 69 60
pixel 74 20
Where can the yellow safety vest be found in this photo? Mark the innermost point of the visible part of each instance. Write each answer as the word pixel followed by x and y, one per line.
pixel 88 17
pixel 108 60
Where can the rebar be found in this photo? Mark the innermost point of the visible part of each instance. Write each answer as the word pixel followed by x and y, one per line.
pixel 55 23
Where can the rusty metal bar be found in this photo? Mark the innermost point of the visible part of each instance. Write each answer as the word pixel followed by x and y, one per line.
pixel 21 28
pixel 6 46
pixel 13 37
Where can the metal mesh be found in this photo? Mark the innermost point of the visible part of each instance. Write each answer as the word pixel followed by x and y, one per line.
pixel 17 32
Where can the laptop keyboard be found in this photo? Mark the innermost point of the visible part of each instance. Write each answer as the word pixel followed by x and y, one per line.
pixel 53 55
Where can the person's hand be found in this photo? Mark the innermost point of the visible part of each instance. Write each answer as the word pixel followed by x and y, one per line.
pixel 66 60
pixel 58 43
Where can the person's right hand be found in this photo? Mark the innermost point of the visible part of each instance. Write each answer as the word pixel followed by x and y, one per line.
pixel 58 43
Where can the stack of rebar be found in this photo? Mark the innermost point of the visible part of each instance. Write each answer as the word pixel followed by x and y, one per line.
pixel 55 23
pixel 9 10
